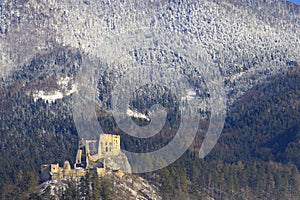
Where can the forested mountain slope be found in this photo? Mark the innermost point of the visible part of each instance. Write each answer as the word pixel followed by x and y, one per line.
pixel 254 45
pixel 257 155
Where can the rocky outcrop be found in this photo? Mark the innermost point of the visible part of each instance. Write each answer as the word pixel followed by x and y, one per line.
pixel 130 187
pixel 119 162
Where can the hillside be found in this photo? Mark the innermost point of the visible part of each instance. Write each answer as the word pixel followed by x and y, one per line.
pixel 250 48
pixel 130 187
pixel 257 154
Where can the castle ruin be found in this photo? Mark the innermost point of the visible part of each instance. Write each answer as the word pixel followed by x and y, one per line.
pixel 91 157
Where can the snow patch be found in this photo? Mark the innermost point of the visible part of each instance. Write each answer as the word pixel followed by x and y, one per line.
pixel 190 95
pixel 136 114
pixel 50 98
pixel 66 89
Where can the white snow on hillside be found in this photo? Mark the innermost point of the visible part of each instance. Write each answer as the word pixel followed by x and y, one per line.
pixel 66 89
pixel 136 114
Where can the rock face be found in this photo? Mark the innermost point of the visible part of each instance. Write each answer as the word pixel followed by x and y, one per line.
pixel 135 187
pixel 119 162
